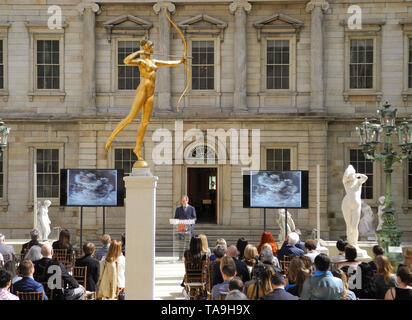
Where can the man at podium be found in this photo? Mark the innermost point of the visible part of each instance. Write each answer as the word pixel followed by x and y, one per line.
pixel 186 212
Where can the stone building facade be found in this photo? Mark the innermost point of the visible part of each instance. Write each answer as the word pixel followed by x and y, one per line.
pixel 295 70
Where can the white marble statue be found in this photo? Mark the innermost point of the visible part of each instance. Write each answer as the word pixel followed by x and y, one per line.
pixel 367 222
pixel 351 205
pixel 43 220
pixel 281 223
pixel 381 206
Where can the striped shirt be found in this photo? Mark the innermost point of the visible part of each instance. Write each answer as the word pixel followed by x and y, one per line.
pixel 6 295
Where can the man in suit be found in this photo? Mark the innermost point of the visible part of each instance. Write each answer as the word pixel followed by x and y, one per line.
pixel 241 267
pixel 186 211
pixel 105 240
pixel 45 269
pixel 92 264
pixel 27 283
pixel 35 236
pixel 288 248
pixel 6 250
pixel 277 282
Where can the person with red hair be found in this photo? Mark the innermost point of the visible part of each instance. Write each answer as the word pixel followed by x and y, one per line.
pixel 267 238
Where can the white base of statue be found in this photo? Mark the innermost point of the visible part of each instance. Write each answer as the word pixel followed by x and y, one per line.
pixel 140 204
pixel 362 254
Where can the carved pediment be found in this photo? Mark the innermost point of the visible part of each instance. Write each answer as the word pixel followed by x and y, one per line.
pixel 278 23
pixel 204 24
pixel 127 25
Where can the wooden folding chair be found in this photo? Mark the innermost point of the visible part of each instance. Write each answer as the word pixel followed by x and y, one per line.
pixel 195 280
pixel 222 296
pixel 80 274
pixel 209 279
pixel 285 263
pixel 49 292
pixel 60 255
pixel 30 295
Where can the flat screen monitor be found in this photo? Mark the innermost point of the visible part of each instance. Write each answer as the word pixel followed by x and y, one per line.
pixel 275 189
pixel 92 187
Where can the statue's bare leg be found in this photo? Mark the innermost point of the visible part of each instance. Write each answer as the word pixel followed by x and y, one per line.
pixel 146 114
pixel 138 102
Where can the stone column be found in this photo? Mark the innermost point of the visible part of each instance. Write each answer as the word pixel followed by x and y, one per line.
pixel 316 8
pixel 140 206
pixel 88 11
pixel 240 9
pixel 163 84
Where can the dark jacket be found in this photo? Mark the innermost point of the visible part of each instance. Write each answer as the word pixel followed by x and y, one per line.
pixel 56 245
pixel 279 294
pixel 241 270
pixel 189 213
pixel 216 274
pixel 40 274
pixel 28 284
pixel 25 247
pixel 300 245
pixel 93 271
pixel 289 250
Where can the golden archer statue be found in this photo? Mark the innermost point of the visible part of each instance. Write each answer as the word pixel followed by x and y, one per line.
pixel 145 91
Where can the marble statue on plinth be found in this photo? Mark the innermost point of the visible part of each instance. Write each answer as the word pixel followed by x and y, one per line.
pixel 367 222
pixel 351 205
pixel 281 223
pixel 381 206
pixel 43 220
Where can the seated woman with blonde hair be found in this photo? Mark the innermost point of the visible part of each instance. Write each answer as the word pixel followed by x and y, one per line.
pixel 112 272
pixel 249 257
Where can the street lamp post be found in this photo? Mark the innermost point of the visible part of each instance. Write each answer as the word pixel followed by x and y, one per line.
pixel 369 133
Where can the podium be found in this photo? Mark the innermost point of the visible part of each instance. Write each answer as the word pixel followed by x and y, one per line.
pixel 181 236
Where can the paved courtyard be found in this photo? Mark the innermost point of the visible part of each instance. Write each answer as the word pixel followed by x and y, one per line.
pixel 169 275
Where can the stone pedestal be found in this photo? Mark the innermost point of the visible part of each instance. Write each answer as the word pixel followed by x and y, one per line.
pixel 140 206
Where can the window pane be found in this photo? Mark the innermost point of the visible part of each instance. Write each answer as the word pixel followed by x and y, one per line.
pixel 47 172
pixel 48 68
pixel 365 166
pixel 203 65
pixel 128 77
pixel 361 64
pixel 277 76
pixel 124 159
pixel 278 159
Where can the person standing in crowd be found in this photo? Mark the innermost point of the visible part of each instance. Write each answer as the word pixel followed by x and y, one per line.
pixel 277 282
pixel 384 278
pixel 105 240
pixel 64 242
pixel 310 246
pixel 5 283
pixel 72 290
pixel 322 285
pixel 228 273
pixel 111 272
pixel 267 237
pixel 241 268
pixel 6 249
pixel 377 251
pixel 340 257
pixel 35 237
pixel 404 289
pixel 92 264
pixel 28 284
pixel 288 248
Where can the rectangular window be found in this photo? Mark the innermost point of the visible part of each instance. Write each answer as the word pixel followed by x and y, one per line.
pixel 48 173
pixel 48 64
pixel 278 159
pixel 1 175
pixel 364 166
pixel 410 64
pixel 203 65
pixel 124 158
pixel 361 64
pixel 128 77
pixel 278 68
pixel 1 66
pixel 410 179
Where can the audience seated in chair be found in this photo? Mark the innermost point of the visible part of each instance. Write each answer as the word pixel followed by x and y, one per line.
pixel 404 289
pixel 288 248
pixel 5 283
pixel 297 274
pixel 35 237
pixel 277 282
pixel 241 245
pixel 377 251
pixel 64 243
pixel 340 257
pixel 236 288
pixel 347 294
pixel 260 283
pixel 34 253
pixel 300 244
pixel 92 264
pixel 10 266
pixel 47 267
pixel 241 267
pixel 228 273
pixel 322 285
pixel 6 250
pixel 310 249
pixel 219 242
pixel 267 237
pixel 350 257
pixel 27 283
pixel 249 257
pixel 384 278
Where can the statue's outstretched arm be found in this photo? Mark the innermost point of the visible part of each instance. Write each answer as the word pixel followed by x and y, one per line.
pixel 163 63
